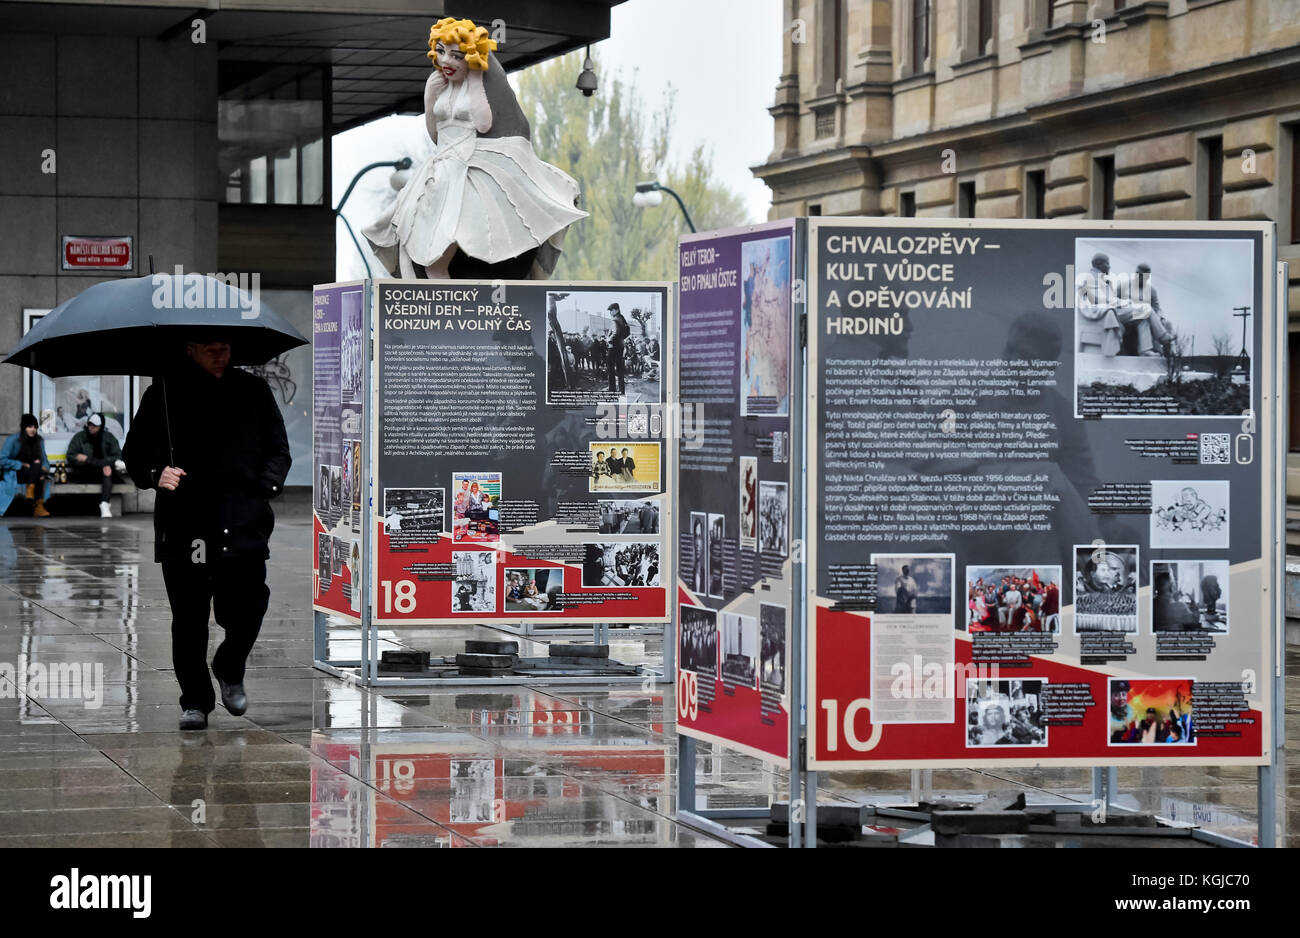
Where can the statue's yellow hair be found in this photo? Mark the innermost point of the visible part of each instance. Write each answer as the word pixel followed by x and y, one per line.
pixel 473 40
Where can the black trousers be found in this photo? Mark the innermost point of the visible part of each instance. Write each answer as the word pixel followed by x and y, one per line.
pixel 31 475
pixel 235 590
pixel 87 473
pixel 617 368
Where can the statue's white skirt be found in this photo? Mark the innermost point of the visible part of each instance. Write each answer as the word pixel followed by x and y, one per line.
pixel 490 196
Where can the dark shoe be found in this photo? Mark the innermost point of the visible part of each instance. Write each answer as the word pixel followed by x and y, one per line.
pixel 194 720
pixel 233 698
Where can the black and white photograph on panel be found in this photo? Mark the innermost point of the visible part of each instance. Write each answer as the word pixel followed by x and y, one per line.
pixel 771 665
pixel 698 577
pixel 621 563
pixel 534 589
pixel 717 553
pixel 336 494
pixel 474 588
pixel 1163 326
pixel 350 350
pixel 323 494
pixel 1105 588
pixel 415 511
pixel 698 651
pixel 324 560
pixel 347 478
pixel 629 516
pixel 1189 596
pixel 340 558
pixel 603 346
pixel 739 649
pixel 773 518
pixel 1005 713
pixel 1189 514
pixel 914 584
pixel 749 502
pixel 354 574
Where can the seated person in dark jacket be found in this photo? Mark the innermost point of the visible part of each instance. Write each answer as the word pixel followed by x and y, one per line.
pixel 211 440
pixel 93 454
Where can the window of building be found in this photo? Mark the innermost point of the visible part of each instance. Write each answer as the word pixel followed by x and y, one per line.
pixel 966 199
pixel 838 16
pixel 1103 180
pixel 985 26
pixel 1295 183
pixel 920 34
pixel 814 209
pixel 831 16
pixel 1293 411
pixel 1036 194
pixel 907 205
pixel 824 122
pixel 271 133
pixel 1050 12
pixel 1211 177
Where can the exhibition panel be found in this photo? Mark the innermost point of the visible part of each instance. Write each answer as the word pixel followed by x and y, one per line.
pixel 338 420
pixel 1044 508
pixel 520 468
pixel 740 364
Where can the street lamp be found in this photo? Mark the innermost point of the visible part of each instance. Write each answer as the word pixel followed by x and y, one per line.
pixel 400 166
pixel 648 194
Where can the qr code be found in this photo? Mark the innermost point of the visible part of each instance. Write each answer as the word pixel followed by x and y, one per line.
pixel 1215 449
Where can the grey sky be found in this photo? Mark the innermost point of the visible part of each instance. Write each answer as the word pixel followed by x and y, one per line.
pixel 723 57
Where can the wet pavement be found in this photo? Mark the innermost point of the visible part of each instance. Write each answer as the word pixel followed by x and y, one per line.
pixel 318 761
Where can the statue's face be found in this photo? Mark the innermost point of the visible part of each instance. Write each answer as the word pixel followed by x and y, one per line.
pixel 451 62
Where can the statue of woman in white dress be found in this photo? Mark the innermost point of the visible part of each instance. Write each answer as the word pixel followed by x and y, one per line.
pixel 482 200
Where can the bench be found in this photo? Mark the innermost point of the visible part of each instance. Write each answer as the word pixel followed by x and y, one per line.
pixel 126 498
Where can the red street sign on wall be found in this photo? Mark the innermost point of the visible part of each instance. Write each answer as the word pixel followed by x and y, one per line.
pixel 96 253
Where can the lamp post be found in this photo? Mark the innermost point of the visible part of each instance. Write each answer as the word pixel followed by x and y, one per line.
pixel 399 165
pixel 648 195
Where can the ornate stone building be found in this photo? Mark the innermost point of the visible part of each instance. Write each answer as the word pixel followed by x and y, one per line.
pixel 1164 109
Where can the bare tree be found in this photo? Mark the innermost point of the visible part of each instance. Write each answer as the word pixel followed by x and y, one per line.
pixel 1224 355
pixel 1175 351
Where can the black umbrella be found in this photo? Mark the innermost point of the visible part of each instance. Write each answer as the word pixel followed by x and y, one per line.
pixel 138 326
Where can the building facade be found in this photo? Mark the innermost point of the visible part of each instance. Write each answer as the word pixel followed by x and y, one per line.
pixel 1157 110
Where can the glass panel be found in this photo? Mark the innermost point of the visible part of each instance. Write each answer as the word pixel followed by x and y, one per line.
pixel 286 177
pixel 256 191
pixel 313 173
pixel 62 405
pixel 267 115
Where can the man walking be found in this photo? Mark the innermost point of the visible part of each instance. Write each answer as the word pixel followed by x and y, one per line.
pixel 93 454
pixel 211 440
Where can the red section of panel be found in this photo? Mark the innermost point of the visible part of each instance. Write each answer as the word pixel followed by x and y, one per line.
pixel 332 598
pixel 734 715
pixel 843 667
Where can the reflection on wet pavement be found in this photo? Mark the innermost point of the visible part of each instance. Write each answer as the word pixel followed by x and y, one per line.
pixel 321 762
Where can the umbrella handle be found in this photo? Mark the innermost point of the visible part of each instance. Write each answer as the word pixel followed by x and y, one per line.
pixel 167 424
